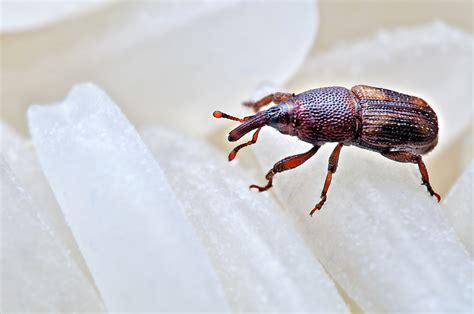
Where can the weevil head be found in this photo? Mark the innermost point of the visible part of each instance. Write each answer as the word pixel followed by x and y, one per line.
pixel 278 117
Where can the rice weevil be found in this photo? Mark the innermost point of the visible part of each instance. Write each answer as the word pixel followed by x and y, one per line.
pixel 398 126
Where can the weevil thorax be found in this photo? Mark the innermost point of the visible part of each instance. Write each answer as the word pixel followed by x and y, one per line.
pixel 320 115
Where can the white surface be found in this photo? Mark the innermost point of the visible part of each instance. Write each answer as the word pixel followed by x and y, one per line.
pixel 380 235
pixel 21 157
pixel 160 59
pixel 459 208
pixel 19 16
pixel 263 264
pixel 37 272
pixel 140 249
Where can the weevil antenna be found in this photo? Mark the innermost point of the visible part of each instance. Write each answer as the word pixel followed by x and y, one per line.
pixel 220 114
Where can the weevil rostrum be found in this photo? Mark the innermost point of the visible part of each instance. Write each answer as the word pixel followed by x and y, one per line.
pixel 398 126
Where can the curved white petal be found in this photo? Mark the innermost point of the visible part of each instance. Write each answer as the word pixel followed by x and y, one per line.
pixel 139 247
pixel 380 234
pixel 459 208
pixel 166 62
pixel 21 157
pixel 261 261
pixel 37 272
pixel 18 16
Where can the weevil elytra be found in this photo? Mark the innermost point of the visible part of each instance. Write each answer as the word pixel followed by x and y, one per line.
pixel 398 126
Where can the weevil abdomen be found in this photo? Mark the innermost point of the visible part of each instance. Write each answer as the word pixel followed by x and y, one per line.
pixel 395 121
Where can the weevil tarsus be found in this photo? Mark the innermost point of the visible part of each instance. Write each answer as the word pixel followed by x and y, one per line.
pixel 332 167
pixel 407 157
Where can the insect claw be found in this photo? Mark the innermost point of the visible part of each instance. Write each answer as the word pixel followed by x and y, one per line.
pixel 260 188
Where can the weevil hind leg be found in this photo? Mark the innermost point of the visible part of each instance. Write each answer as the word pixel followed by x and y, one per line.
pixel 332 167
pixel 414 159
pixel 275 98
pixel 285 164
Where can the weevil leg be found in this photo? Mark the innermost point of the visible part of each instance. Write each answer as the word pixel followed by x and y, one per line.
pixel 233 153
pixel 414 159
pixel 332 167
pixel 276 98
pixel 287 163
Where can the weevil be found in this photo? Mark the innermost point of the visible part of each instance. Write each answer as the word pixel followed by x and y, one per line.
pixel 398 126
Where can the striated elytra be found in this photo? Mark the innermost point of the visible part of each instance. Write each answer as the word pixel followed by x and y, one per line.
pixel 398 126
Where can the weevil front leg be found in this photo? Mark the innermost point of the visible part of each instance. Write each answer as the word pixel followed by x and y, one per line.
pixel 287 163
pixel 233 153
pixel 332 167
pixel 414 159
pixel 275 98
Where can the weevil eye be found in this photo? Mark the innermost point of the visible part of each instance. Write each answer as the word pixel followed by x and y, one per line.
pixel 278 115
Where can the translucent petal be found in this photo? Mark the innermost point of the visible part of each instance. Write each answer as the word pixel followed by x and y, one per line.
pixel 380 235
pixel 166 62
pixel 135 239
pixel 37 272
pixel 261 261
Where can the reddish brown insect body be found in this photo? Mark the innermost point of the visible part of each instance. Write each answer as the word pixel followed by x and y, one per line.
pixel 398 126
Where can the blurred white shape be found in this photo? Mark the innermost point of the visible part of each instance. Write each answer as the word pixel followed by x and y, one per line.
pixel 37 272
pixel 25 15
pixel 380 235
pixel 432 61
pixel 459 208
pixel 21 157
pixel 263 264
pixel 139 246
pixel 166 62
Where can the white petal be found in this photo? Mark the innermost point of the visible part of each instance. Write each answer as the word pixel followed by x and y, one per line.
pixel 25 15
pixel 262 263
pixel 458 208
pixel 380 235
pixel 140 249
pixel 21 157
pixel 37 272
pixel 164 61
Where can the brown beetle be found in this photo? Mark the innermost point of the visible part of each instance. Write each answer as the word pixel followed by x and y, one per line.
pixel 398 126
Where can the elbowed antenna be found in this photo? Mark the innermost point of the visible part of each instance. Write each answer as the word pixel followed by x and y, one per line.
pixel 249 123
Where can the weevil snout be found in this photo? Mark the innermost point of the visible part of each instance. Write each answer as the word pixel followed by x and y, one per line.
pixel 254 122
pixel 276 117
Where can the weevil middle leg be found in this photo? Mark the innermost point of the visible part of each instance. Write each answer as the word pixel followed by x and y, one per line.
pixel 285 164
pixel 414 159
pixel 275 98
pixel 332 167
